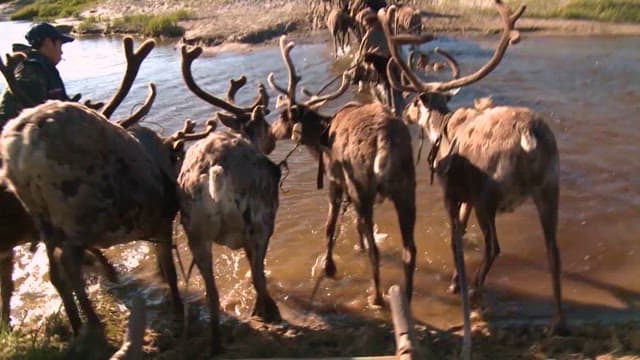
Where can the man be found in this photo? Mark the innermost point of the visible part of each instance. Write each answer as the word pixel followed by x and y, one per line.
pixel 37 76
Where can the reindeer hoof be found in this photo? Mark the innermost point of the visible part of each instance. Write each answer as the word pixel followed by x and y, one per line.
pixel 330 269
pixel 376 301
pixel 453 288
pixel 267 311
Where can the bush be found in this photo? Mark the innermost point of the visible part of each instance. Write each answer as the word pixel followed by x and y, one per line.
pixel 151 25
pixel 50 9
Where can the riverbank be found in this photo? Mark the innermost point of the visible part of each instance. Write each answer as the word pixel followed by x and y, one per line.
pixel 240 24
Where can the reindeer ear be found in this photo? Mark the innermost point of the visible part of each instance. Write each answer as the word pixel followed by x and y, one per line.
pixel 451 93
pixel 229 121
pixel 296 133
pixel 317 106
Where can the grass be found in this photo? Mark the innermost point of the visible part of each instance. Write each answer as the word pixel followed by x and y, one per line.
pixel 34 344
pixel 50 9
pixel 601 10
pixel 151 25
pixel 87 25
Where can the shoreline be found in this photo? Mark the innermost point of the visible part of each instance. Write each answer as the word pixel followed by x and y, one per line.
pixel 223 27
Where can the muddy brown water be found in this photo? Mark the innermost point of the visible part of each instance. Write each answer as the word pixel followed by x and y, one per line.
pixel 589 89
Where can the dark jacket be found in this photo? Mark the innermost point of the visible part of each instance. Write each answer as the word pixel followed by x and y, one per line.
pixel 38 78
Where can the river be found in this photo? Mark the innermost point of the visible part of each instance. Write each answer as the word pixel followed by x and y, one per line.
pixel 589 89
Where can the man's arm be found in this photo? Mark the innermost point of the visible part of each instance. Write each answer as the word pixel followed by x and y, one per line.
pixel 30 77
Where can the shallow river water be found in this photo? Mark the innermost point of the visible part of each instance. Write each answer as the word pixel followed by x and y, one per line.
pixel 589 89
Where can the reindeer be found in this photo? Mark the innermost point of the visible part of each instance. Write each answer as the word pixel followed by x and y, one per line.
pixel 339 23
pixel 407 20
pixel 228 192
pixel 366 153
pixel 16 225
pixel 115 183
pixel 487 159
pixel 420 62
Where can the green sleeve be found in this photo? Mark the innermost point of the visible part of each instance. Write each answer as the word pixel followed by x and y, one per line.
pixel 32 80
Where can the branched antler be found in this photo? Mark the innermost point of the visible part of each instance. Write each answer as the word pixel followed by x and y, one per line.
pixel 144 110
pixel 188 56
pixel 285 50
pixel 134 60
pixel 508 36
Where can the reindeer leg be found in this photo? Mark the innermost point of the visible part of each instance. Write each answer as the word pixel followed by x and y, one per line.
pixel 335 202
pixel 406 208
pixel 164 259
pixel 486 216
pixel 59 281
pixel 109 271
pixel 201 251
pixel 464 214
pixel 264 306
pixel 546 201
pixel 365 226
pixel 6 287
pixel 453 209
pixel 71 259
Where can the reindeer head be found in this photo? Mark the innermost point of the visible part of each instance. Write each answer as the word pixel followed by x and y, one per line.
pixel 300 121
pixel 429 108
pixel 250 121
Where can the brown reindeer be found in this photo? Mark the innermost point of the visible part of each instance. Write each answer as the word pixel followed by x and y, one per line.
pixel 109 186
pixel 366 154
pixel 16 225
pixel 339 24
pixel 488 159
pixel 228 192
pixel 407 20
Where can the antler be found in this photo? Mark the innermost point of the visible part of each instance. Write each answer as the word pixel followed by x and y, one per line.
pixel 453 64
pixel 134 60
pixel 509 36
pixel 234 86
pixel 315 100
pixel 261 99
pixel 285 49
pixel 144 110
pixel 187 59
pixel 8 70
pixel 187 134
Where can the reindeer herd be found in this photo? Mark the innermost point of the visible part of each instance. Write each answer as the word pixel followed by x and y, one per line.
pixel 121 181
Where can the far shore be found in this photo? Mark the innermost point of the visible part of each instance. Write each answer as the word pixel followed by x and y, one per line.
pixel 225 27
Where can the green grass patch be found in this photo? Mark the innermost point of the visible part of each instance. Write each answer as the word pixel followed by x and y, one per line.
pixel 36 344
pixel 50 9
pixel 602 10
pixel 88 25
pixel 151 25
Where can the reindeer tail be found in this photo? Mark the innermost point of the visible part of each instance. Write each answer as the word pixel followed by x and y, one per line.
pixel 528 140
pixel 217 183
pixel 382 161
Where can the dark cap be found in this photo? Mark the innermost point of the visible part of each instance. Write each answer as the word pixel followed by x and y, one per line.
pixel 41 31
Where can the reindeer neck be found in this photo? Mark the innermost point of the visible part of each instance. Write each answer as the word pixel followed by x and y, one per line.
pixel 323 123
